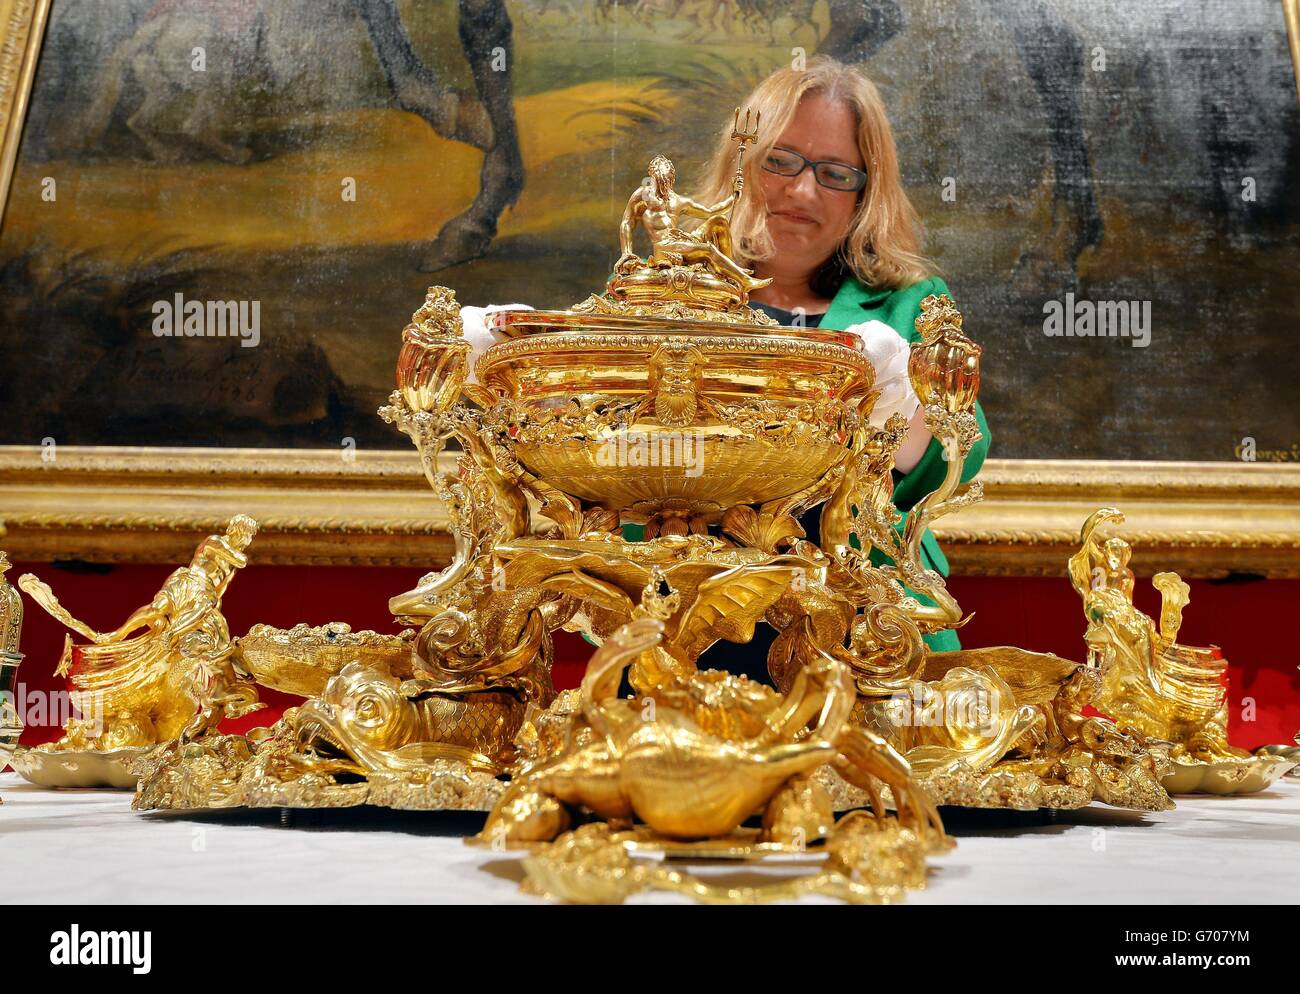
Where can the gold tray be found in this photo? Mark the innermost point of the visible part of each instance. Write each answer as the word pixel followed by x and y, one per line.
pixel 1232 776
pixel 78 768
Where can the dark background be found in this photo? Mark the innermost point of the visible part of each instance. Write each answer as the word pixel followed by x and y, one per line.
pixel 1115 183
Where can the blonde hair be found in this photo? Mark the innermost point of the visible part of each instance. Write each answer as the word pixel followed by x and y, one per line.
pixel 882 247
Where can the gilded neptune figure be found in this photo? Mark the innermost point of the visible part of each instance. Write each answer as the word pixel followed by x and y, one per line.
pixel 660 209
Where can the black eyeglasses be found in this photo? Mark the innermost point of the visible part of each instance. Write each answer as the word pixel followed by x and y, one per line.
pixel 832 175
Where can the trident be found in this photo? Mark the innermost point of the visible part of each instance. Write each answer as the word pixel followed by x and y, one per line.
pixel 744 135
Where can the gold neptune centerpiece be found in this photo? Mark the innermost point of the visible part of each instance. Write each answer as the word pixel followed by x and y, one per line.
pixel 667 402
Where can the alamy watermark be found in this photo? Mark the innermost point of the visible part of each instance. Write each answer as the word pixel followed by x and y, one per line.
pixel 53 709
pixel 73 947
pixel 921 706
pixel 1073 318
pixel 672 448
pixel 181 318
pixel 1248 451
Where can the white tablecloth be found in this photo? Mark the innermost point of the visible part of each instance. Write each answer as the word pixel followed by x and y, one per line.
pixel 80 847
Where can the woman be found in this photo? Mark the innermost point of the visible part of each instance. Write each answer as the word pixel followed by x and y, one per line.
pixel 829 223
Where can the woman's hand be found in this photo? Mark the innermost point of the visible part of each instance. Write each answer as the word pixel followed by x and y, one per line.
pixel 476 328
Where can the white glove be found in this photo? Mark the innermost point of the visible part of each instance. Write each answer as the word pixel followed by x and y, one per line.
pixel 480 336
pixel 888 353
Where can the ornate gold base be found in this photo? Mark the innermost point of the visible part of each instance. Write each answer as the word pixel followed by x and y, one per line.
pixel 864 860
pixel 724 307
pixel 695 284
pixel 1018 787
pixel 229 771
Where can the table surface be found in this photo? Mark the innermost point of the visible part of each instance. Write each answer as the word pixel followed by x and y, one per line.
pixel 88 846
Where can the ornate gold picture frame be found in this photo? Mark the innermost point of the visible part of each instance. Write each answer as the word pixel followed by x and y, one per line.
pixel 108 504
pixel 22 27
pixel 1292 9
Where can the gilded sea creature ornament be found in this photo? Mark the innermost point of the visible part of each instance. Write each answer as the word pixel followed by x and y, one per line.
pixel 682 770
pixel 1154 684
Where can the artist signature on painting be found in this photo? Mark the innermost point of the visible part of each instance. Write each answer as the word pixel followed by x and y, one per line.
pixel 1247 451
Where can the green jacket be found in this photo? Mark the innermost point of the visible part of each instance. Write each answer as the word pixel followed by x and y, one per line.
pixel 853 304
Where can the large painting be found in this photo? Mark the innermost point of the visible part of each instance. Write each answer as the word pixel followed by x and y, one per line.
pixel 223 210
